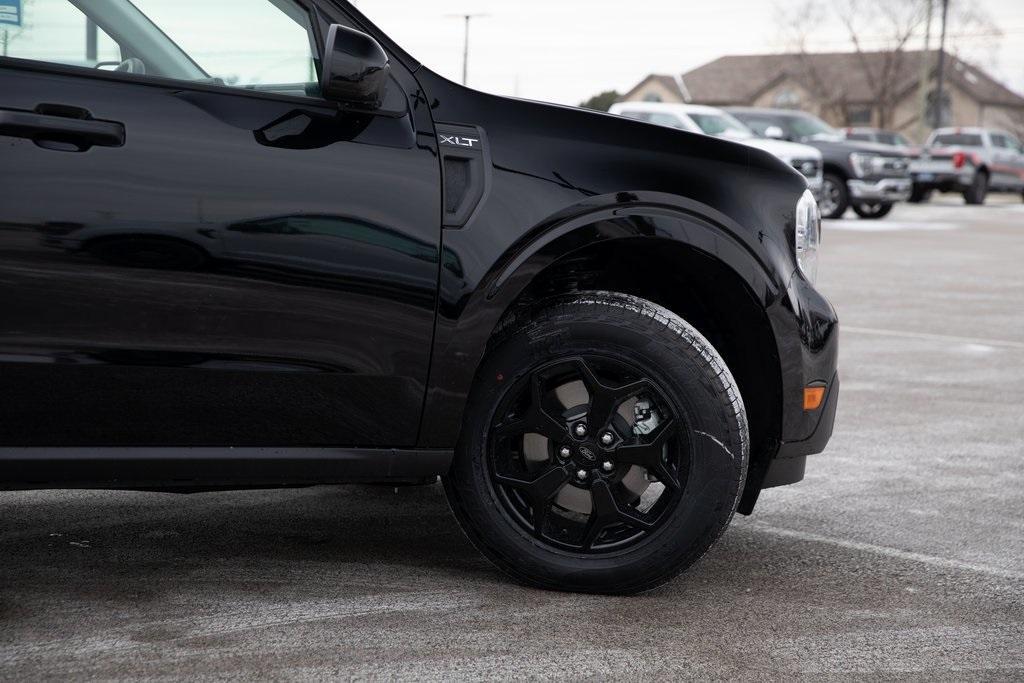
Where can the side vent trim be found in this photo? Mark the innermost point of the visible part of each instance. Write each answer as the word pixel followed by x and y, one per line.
pixel 466 171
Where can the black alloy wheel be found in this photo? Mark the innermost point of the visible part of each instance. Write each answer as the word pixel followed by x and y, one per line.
pixel 587 454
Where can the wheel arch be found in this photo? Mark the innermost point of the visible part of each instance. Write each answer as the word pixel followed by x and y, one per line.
pixel 681 260
pixel 835 169
pixel 697 287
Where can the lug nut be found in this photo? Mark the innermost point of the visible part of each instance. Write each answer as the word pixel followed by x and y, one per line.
pixel 580 429
pixel 581 474
pixel 565 452
pixel 607 466
pixel 607 438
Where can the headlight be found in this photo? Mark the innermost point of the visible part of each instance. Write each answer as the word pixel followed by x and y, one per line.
pixel 808 235
pixel 867 164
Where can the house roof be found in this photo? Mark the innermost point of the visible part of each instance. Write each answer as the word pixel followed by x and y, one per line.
pixel 738 79
pixel 669 82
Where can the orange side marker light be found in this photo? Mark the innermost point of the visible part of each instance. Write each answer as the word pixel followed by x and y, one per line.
pixel 813 396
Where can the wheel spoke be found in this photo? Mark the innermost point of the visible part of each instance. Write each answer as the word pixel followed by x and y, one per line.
pixel 605 400
pixel 606 511
pixel 541 422
pixel 539 491
pixel 649 455
pixel 534 419
pixel 533 422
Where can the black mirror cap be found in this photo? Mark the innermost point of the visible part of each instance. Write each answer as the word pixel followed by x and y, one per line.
pixel 355 69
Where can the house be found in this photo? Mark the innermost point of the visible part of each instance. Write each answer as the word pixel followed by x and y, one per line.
pixel 847 89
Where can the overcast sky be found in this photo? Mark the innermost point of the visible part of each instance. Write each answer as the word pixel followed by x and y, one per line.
pixel 566 50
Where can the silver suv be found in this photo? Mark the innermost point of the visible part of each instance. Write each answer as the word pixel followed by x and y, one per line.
pixel 972 161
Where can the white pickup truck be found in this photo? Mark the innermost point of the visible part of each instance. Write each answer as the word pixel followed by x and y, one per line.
pixel 972 161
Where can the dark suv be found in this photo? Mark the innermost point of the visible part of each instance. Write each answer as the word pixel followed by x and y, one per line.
pixel 867 176
pixel 287 254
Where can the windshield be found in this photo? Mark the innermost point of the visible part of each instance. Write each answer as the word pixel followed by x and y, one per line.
pixel 812 127
pixel 957 140
pixel 721 125
pixel 893 139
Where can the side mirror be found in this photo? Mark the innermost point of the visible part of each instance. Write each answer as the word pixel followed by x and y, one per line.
pixel 775 133
pixel 355 69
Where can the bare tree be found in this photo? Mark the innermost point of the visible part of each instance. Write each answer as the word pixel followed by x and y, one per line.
pixel 891 24
pixel 881 33
pixel 798 23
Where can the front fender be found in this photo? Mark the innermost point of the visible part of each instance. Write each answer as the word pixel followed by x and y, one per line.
pixel 470 312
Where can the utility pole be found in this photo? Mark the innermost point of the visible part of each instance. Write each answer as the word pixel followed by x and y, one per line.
pixel 942 65
pixel 91 35
pixel 465 44
pixel 922 88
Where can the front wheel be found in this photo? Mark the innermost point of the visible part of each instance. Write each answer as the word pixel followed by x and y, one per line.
pixel 604 447
pixel 875 210
pixel 835 197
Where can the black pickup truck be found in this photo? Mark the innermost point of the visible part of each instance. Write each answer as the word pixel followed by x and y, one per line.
pixel 866 176
pixel 603 334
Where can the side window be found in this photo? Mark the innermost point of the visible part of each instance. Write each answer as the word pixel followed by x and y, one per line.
pixel 759 125
pixel 666 120
pixel 639 115
pixel 256 44
pixel 56 31
pixel 998 140
pixel 264 45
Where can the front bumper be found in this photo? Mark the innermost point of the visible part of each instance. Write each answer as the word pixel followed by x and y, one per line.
pixel 791 460
pixel 943 180
pixel 815 443
pixel 884 190
pixel 807 335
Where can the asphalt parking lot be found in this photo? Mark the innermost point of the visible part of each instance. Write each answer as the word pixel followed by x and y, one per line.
pixel 900 555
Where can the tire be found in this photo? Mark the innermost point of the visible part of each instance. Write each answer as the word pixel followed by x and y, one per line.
pixel 975 194
pixel 835 197
pixel 700 465
pixel 919 195
pixel 873 211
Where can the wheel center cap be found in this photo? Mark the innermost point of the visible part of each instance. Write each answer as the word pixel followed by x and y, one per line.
pixel 588 453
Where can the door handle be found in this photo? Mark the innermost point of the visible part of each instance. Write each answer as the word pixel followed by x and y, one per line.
pixel 72 129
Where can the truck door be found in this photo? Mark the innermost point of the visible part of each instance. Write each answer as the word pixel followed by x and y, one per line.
pixel 198 249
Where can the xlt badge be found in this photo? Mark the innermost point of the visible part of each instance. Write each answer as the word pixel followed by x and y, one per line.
pixel 459 141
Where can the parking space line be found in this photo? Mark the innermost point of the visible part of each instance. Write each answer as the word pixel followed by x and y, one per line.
pixel 941 562
pixel 934 337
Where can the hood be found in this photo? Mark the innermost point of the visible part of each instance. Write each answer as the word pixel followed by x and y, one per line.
pixel 784 150
pixel 848 146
